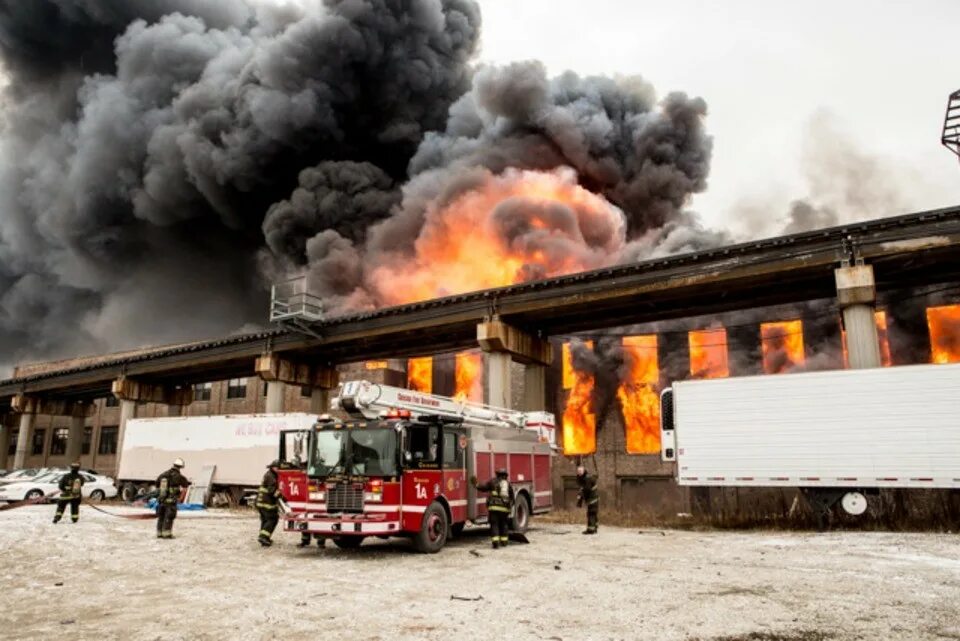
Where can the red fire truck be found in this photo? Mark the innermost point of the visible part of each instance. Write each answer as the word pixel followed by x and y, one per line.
pixel 401 464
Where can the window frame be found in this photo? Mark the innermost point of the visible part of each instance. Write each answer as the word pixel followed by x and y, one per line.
pixel 37 444
pixel 113 430
pixel 59 437
pixel 237 388
pixel 202 392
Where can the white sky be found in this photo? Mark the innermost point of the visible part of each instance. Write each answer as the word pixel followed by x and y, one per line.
pixel 882 69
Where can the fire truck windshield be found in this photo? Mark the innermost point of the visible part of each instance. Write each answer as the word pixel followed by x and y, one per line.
pixel 327 453
pixel 373 452
pixel 364 452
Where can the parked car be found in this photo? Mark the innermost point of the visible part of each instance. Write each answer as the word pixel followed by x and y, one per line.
pixel 26 473
pixel 96 488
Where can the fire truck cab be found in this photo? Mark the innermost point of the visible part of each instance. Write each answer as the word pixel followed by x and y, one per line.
pixel 401 466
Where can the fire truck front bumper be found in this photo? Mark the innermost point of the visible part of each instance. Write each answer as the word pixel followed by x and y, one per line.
pixel 342 524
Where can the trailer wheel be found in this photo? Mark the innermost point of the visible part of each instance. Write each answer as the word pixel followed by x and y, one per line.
pixel 521 515
pixel 433 529
pixel 129 492
pixel 854 503
pixel 347 542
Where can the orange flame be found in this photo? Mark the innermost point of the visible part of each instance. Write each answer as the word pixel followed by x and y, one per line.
pixel 468 244
pixel 886 360
pixel 639 395
pixel 468 377
pixel 420 374
pixel 579 421
pixel 708 353
pixel 944 324
pixel 782 346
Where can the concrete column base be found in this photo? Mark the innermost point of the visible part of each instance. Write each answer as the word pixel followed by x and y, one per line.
pixel 496 379
pixel 75 438
pixel 863 342
pixel 128 410
pixel 275 396
pixel 24 440
pixel 534 388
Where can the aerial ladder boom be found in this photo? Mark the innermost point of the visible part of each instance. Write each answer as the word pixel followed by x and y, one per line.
pixel 363 399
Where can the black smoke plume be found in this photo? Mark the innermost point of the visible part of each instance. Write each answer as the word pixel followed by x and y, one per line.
pixel 162 161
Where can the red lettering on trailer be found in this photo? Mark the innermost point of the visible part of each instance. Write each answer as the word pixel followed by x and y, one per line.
pixel 888 479
pixel 923 479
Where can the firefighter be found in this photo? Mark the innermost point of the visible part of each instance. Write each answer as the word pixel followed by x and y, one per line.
pixel 268 503
pixel 499 501
pixel 169 484
pixel 588 494
pixel 70 484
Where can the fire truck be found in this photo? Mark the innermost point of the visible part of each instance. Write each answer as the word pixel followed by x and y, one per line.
pixel 401 464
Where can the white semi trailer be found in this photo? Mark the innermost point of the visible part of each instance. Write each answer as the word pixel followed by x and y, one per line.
pixel 238 447
pixel 836 435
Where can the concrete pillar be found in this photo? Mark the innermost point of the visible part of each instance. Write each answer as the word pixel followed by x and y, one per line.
pixel 496 379
pixel 24 439
pixel 320 400
pixel 275 396
pixel 75 438
pixel 128 410
pixel 534 388
pixel 856 295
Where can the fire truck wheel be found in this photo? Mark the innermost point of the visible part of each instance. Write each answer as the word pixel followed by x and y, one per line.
pixel 433 529
pixel 347 542
pixel 521 515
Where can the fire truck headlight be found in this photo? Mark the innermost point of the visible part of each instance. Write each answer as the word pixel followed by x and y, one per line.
pixel 316 496
pixel 373 497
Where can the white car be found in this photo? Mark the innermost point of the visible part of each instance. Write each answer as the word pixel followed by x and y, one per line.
pixel 96 488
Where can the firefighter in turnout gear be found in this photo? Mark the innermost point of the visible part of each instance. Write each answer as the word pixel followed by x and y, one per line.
pixel 268 504
pixel 499 501
pixel 70 484
pixel 588 494
pixel 169 484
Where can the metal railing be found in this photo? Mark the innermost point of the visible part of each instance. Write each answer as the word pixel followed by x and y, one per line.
pixel 291 300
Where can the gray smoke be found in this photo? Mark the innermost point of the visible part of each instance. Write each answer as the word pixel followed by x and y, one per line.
pixel 163 161
pixel 144 143
pixel 613 136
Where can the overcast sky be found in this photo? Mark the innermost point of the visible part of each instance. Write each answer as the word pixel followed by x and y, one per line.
pixel 793 88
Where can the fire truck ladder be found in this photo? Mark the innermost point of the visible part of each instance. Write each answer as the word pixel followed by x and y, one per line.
pixel 363 399
pixel 951 124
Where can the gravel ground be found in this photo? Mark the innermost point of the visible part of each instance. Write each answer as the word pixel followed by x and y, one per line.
pixel 109 578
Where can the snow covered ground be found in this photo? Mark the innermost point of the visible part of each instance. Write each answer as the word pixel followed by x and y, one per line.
pixel 109 578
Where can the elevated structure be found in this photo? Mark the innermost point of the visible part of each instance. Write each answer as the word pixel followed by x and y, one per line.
pixel 904 251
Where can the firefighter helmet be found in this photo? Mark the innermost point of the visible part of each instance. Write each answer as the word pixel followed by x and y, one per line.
pixel 502 471
pixel 274 463
pixel 75 465
pixel 179 463
pixel 581 470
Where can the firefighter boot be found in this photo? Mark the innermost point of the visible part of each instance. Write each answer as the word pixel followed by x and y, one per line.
pixel 304 541
pixel 496 544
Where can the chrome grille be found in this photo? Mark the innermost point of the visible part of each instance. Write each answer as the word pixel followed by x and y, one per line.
pixel 345 497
